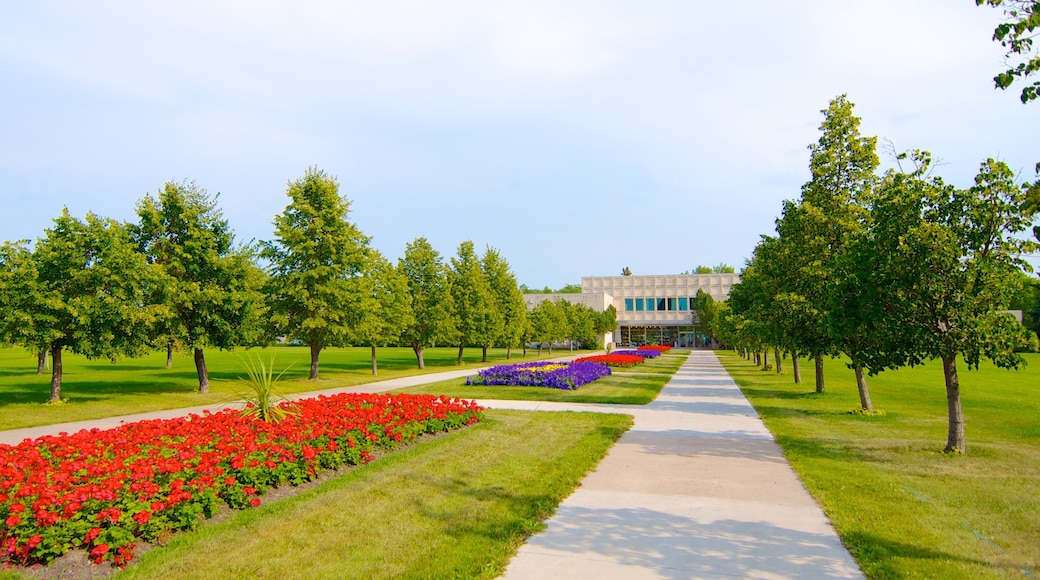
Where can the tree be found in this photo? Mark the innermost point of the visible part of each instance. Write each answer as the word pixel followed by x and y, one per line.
pixel 815 231
pixel 430 297
pixel 581 326
pixel 722 268
pixel 549 324
pixel 570 289
pixel 210 288
pixel 706 310
pixel 315 260
pixel 605 321
pixel 944 263
pixel 20 293
pixel 477 318
pixel 702 270
pixel 385 308
pixel 508 300
pixel 1016 35
pixel 89 292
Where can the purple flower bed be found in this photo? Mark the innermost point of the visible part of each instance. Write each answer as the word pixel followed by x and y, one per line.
pixel 641 352
pixel 568 376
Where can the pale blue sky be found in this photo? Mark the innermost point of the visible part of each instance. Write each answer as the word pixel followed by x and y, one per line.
pixel 576 137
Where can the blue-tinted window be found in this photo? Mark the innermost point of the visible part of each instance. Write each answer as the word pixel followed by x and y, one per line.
pixel 684 304
pixel 660 303
pixel 671 304
pixel 628 305
pixel 650 304
pixel 639 304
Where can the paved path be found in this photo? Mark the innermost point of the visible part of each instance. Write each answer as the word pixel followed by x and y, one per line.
pixel 696 489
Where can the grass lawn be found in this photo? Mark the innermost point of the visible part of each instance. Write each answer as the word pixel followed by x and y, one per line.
pixel 637 385
pixel 902 507
pixel 454 507
pixel 99 388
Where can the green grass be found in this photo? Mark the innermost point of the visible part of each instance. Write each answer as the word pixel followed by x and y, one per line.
pixel 637 385
pixel 903 508
pixel 454 507
pixel 99 388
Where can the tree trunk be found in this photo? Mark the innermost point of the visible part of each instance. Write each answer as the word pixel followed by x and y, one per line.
pixel 795 368
pixel 819 373
pixel 776 358
pixel 375 368
pixel 483 354
pixel 200 367
pixel 55 373
pixel 765 360
pixel 955 442
pixel 41 361
pixel 315 351
pixel 539 349
pixel 418 356
pixel 509 352
pixel 861 386
pixel 458 361
pixel 169 354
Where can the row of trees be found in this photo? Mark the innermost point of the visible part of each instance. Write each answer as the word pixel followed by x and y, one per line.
pixel 889 270
pixel 176 279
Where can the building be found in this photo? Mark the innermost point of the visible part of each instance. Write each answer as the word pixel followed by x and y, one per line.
pixel 650 309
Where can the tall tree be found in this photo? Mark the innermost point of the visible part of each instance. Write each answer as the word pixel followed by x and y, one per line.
pixel 20 294
pixel 508 300
pixel 386 309
pixel 90 294
pixel 430 295
pixel 313 261
pixel 212 294
pixel 943 264
pixel 548 324
pixel 477 318
pixel 1016 34
pixel 605 322
pixel 815 232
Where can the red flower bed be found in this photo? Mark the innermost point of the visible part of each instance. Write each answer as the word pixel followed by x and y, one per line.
pixel 661 348
pixel 613 360
pixel 102 490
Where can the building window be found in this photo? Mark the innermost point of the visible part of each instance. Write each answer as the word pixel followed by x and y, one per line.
pixel 684 304
pixel 649 303
pixel 660 303
pixel 639 304
pixel 671 304
pixel 628 305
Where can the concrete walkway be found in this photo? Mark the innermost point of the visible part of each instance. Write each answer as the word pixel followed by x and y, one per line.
pixel 696 489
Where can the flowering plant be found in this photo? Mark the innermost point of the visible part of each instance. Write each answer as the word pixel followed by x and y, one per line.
pixel 658 348
pixel 644 353
pixel 613 360
pixel 101 490
pixel 568 376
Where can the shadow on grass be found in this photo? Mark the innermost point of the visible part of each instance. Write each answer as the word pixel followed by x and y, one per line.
pixel 884 555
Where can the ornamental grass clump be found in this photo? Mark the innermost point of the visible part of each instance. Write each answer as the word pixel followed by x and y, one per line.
pixel 103 490
pixel 263 401
pixel 555 375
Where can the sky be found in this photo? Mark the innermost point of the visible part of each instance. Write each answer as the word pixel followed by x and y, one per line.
pixel 577 138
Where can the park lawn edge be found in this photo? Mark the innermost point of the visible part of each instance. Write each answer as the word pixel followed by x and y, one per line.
pixel 525 472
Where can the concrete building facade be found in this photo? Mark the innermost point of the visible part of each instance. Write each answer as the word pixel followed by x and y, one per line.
pixel 650 309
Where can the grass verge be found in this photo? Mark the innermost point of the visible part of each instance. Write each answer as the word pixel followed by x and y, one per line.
pixel 454 507
pixel 638 385
pixel 99 388
pixel 902 507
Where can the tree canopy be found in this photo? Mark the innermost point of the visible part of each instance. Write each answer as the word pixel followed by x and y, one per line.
pixel 1016 33
pixel 430 294
pixel 315 262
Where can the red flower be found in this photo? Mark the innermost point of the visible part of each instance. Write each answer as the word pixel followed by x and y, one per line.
pixel 13 521
pixel 142 517
pixel 254 502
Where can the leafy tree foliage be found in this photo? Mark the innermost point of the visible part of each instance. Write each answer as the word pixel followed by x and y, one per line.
pixel 211 288
pixel 1016 34
pixel 431 300
pixel 509 301
pixel 315 261
pixel 936 269
pixel 477 317
pixel 385 308
pixel 86 288
pixel 549 324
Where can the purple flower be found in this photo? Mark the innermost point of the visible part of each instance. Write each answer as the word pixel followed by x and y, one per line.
pixel 568 376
